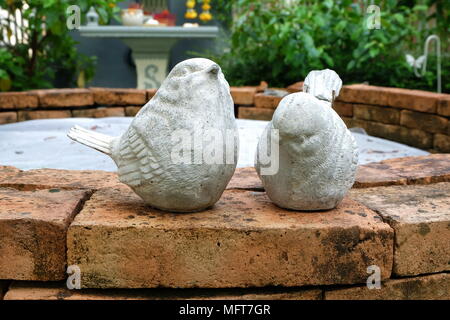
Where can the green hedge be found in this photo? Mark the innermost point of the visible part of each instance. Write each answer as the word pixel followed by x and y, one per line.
pixel 270 40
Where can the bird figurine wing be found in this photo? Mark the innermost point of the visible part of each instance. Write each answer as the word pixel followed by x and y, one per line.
pixel 137 164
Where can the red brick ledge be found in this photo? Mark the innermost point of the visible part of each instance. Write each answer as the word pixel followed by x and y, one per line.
pixel 343 241
pixel 398 171
pixel 402 171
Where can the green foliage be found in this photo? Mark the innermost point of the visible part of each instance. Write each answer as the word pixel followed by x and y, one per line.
pixel 280 43
pixel 46 56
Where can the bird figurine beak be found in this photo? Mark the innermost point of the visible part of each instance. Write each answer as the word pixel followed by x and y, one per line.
pixel 214 69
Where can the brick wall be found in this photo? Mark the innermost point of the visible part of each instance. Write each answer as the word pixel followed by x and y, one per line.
pixel 413 117
pixel 66 103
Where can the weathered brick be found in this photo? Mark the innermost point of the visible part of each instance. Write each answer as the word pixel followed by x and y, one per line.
pixel 75 97
pixel 424 121
pixel 132 111
pixel 295 87
pixel 246 179
pixel 431 287
pixel 243 95
pixel 413 137
pixel 361 93
pixel 18 100
pixel 57 291
pixel 255 113
pixel 441 142
pixel 33 226
pixel 376 113
pixel 8 117
pixel 417 100
pixel 401 171
pixel 121 97
pixel 420 216
pixel 63 179
pixel 99 112
pixel 243 241
pixel 267 102
pixel 43 114
pixel 444 105
pixel 343 109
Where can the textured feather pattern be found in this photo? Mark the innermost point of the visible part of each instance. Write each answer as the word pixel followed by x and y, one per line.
pixel 137 164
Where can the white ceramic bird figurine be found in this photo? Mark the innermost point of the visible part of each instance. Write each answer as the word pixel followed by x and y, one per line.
pixel 194 99
pixel 317 153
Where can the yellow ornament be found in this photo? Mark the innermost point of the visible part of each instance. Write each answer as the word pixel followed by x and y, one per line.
pixel 206 15
pixel 190 13
pixel 190 4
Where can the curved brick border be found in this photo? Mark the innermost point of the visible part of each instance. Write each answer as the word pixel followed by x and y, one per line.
pixel 413 117
pixel 66 103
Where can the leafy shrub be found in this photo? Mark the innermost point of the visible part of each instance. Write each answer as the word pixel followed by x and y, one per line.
pixel 270 40
pixel 46 57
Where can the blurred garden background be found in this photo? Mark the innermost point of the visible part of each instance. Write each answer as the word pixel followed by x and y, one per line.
pixel 275 41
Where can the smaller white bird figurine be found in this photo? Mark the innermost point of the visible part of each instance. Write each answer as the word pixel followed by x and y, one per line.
pixel 317 155
pixel 176 154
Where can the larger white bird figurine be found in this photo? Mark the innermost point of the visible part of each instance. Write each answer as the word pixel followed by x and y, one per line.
pixel 317 155
pixel 162 154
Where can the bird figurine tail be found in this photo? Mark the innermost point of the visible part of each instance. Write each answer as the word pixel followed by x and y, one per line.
pixel 92 139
